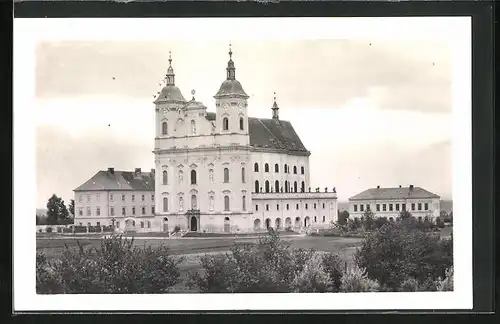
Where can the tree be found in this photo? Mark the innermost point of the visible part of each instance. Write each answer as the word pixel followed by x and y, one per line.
pixel 57 213
pixel 71 207
pixel 342 217
pixel 368 220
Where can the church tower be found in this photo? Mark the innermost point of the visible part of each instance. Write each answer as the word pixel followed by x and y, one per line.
pixel 231 106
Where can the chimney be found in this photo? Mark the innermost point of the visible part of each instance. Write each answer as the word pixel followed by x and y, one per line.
pixel 399 186
pixel 378 187
pixel 153 172
pixel 411 187
pixel 111 170
pixel 137 172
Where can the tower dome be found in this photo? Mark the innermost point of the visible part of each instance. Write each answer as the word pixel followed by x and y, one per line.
pixel 170 93
pixel 231 87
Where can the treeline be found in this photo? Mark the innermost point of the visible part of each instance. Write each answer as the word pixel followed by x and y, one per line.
pixel 391 258
pixel 57 212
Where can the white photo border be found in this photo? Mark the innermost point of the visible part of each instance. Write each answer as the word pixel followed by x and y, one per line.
pixel 27 32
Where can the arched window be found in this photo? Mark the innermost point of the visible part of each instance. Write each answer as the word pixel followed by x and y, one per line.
pixel 193 177
pixel 256 167
pixel 211 175
pixel 225 124
pixel 286 168
pixel 226 203
pixel 243 175
pixel 277 186
pixel 266 167
pixel 193 127
pixel 193 202
pixel 211 203
pixel 164 128
pixel 165 177
pixel 226 175
pixel 276 168
pixel 301 170
pixel 241 123
pixel 294 169
pixel 286 186
pixel 165 204
pixel 303 187
pixel 295 186
pixel 244 203
pixel 267 186
pixel 256 186
pixel 181 203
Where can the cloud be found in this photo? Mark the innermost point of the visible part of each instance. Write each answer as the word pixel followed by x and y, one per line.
pixel 401 75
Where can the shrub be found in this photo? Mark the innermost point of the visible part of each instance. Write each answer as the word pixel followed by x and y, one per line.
pixel 47 279
pixel 409 285
pixel 335 266
pixel 380 221
pixel 177 229
pixel 313 277
pixel 393 254
pixel 67 230
pixel 116 267
pixel 48 229
pixel 80 229
pixel 446 284
pixel 356 280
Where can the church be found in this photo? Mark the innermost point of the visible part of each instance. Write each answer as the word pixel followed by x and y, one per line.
pixel 222 171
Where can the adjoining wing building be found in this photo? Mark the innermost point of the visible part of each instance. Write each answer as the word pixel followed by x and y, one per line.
pixel 214 172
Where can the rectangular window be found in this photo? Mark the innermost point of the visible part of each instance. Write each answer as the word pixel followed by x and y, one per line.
pixel 88 198
pixel 142 224
pixel 306 206
pixel 267 207
pixel 367 206
pixel 287 207
pixel 133 210
pixel 323 219
pixel 152 197
pixel 277 207
pixel 144 210
pixel 419 206
pixel 80 211
pixel 256 207
pixel 323 205
pixel 153 210
pixel 384 207
pixel 80 198
pixel 98 211
pixel 297 206
pixel 111 197
pixel 390 207
pixel 89 224
pixel 315 219
pixel 133 197
pixel 314 205
pixel 361 208
pixel 98 224
pixel 378 207
pixel 80 223
pixel 112 211
pixel 355 208
pixel 123 197
pixel 123 211
pixel 88 211
pixel 397 207
pixel 143 197
pixel 412 206
pixel 426 206
pixel 403 207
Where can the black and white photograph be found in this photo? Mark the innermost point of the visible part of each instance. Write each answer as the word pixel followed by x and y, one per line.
pixel 182 164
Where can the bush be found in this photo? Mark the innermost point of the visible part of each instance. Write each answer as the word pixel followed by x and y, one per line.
pixel 67 230
pixel 393 254
pixel 446 284
pixel 48 229
pixel 116 267
pixel 409 285
pixel 335 266
pixel 177 229
pixel 356 280
pixel 381 221
pixel 80 229
pixel 313 277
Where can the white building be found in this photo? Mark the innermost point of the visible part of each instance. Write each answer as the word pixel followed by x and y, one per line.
pixel 389 202
pixel 227 171
pixel 127 198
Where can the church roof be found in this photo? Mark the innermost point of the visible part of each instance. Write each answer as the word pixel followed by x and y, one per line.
pixel 271 134
pixel 119 180
pixel 231 88
pixel 394 193
pixel 170 93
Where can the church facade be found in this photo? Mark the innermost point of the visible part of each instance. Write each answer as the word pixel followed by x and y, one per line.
pixel 213 172
pixel 229 172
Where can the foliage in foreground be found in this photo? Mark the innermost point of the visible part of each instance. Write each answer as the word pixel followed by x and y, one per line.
pixel 397 257
pixel 116 267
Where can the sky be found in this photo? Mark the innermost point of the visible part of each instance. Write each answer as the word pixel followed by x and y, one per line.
pixel 372 112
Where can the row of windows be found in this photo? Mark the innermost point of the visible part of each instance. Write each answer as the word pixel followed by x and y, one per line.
pixel 146 224
pixel 392 207
pixel 112 197
pixel 287 187
pixel 288 206
pixel 225 125
pixel 194 179
pixel 277 168
pixel 112 211
pixel 211 203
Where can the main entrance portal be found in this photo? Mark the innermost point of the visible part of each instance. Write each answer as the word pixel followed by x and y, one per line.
pixel 194 224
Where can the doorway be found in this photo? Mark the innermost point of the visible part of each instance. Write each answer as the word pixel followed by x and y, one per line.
pixel 194 224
